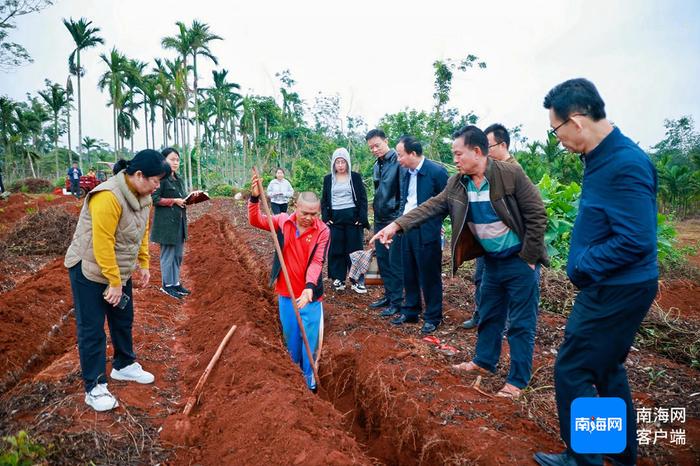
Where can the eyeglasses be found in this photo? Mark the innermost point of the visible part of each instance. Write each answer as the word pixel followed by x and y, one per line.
pixel 553 131
pixel 495 144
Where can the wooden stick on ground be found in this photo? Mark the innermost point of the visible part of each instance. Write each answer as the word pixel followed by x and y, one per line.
pixel 276 242
pixel 192 400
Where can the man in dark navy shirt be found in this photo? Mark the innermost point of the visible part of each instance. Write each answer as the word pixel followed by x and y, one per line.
pixel 612 260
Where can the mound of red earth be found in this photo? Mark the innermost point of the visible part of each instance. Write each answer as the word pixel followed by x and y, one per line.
pixel 33 322
pixel 19 205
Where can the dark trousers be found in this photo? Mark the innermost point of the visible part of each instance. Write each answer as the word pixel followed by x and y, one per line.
pixel 509 286
pixel 75 187
pixel 346 237
pixel 597 339
pixel 390 267
pixel 90 312
pixel 422 264
pixel 478 277
pixel 278 208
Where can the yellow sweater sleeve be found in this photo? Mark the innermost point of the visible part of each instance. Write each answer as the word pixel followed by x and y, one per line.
pixel 105 212
pixel 144 257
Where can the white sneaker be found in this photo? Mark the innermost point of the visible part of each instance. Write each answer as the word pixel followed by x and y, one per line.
pixel 132 373
pixel 338 285
pixel 100 399
pixel 359 288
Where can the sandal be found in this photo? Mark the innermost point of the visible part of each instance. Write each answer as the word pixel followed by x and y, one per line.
pixel 509 391
pixel 471 366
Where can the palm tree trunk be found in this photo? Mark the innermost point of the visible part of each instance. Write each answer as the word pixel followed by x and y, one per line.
pixel 185 136
pixel 114 124
pixel 55 142
pixel 153 126
pixel 70 150
pixel 31 165
pixel 131 136
pixel 80 115
pixel 187 145
pixel 198 157
pixel 165 126
pixel 145 120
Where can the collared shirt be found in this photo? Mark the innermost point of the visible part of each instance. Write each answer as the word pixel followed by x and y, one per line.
pixel 495 237
pixel 412 197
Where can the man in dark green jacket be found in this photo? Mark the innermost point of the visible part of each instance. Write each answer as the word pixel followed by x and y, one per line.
pixel 170 226
pixel 497 213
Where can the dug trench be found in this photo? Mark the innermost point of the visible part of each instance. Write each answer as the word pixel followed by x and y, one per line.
pixel 384 397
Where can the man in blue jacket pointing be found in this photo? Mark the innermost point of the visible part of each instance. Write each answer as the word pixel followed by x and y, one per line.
pixel 612 260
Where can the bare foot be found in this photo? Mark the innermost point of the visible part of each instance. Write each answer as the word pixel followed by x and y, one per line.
pixel 470 366
pixel 509 391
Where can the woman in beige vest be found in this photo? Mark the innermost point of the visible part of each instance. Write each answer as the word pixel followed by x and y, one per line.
pixel 109 245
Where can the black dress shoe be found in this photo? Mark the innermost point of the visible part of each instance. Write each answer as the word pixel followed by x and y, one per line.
pixel 181 289
pixel 381 302
pixel 470 324
pixel 554 459
pixel 389 311
pixel 428 328
pixel 404 319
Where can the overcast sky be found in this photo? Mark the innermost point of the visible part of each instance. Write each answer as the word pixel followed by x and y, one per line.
pixel 643 55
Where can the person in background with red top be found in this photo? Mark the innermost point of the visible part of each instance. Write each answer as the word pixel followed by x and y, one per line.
pixel 304 242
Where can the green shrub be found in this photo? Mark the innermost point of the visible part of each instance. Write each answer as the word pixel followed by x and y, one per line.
pixel 32 185
pixel 671 256
pixel 308 176
pixel 21 450
pixel 561 203
pixel 222 190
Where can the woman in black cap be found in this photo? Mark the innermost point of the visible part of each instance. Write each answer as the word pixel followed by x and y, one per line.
pixel 110 243
pixel 170 226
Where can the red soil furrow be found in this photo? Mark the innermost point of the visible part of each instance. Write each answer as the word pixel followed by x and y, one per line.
pixel 28 313
pixel 255 408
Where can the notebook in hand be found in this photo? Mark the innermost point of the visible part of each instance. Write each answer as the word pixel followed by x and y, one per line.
pixel 195 197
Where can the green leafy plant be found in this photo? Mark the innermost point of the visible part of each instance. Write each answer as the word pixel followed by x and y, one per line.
pixel 222 190
pixel 561 203
pixel 21 450
pixel 654 375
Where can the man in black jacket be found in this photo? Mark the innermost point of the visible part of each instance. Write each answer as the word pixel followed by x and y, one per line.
pixel 422 248
pixel 387 200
